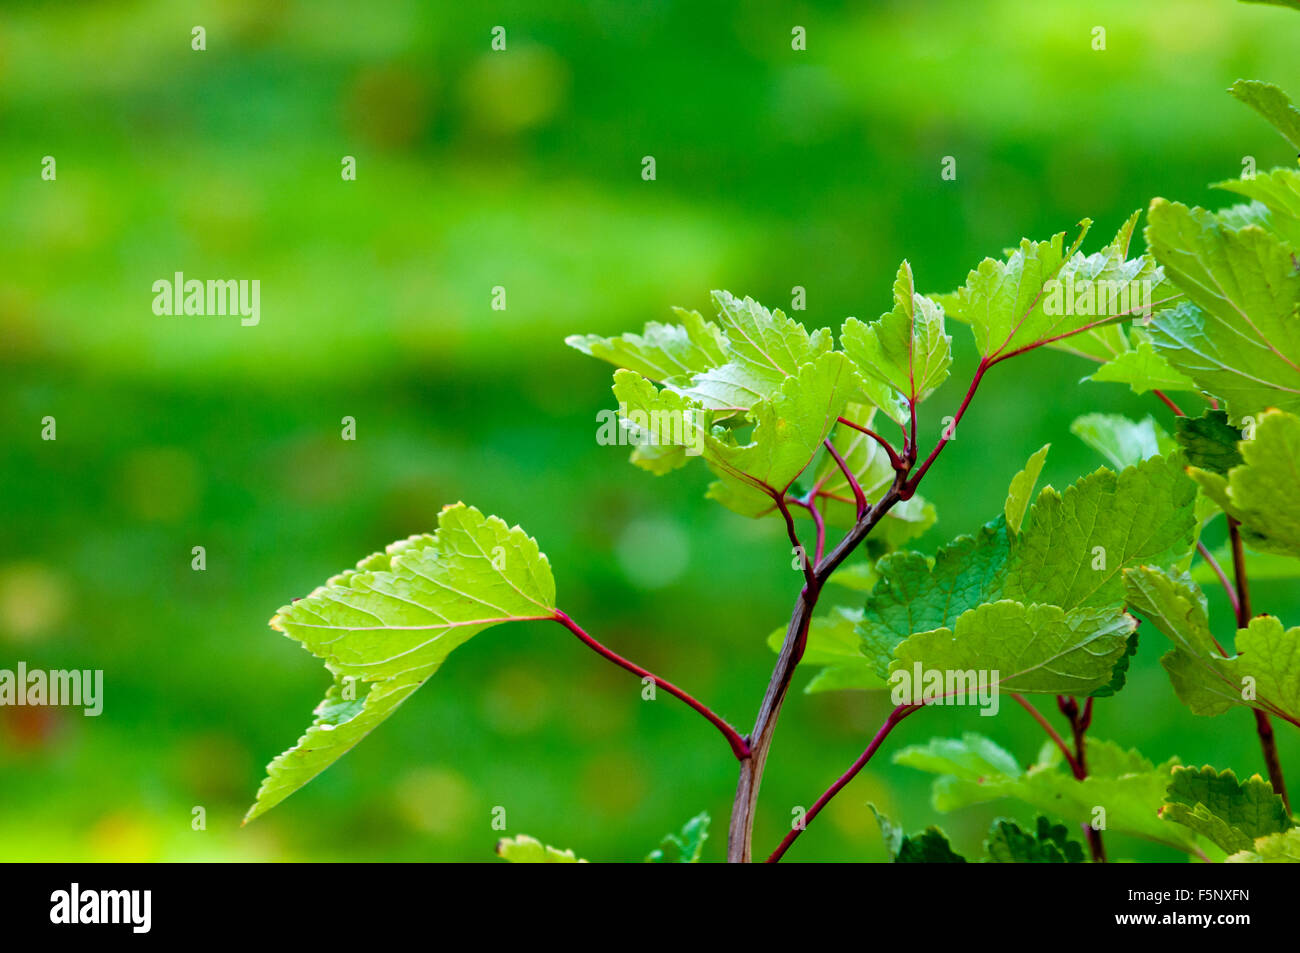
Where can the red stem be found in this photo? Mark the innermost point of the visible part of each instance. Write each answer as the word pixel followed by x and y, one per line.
pixel 1051 732
pixel 859 497
pixel 739 746
pixel 1169 403
pixel 808 564
pixel 894 458
pixel 1263 724
pixel 818 521
pixel 909 488
pixel 1079 722
pixel 895 716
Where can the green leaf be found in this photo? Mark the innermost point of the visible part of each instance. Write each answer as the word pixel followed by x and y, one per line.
pixel 1130 788
pixel 685 847
pixel 833 642
pixel 1208 442
pixel 1269 101
pixel 929 847
pixel 1238 335
pixel 1025 649
pixel 1008 844
pixel 1281 848
pixel 1075 545
pixel 1275 203
pixel 1264 674
pixel 1263 492
pixel 1021 490
pixel 763 349
pixel 527 850
pixel 788 430
pixel 385 627
pixel 914 596
pixel 1122 441
pixel 858 576
pixel 661 352
pixel 1232 814
pixel 1142 369
pixel 1044 293
pixel 906 350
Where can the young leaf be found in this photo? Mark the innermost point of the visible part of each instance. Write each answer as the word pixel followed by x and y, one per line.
pixel 528 850
pixel 1208 442
pixel 1264 674
pixel 1038 648
pixel 1238 336
pixel 788 430
pixel 1269 101
pixel 905 350
pixel 1130 788
pixel 1232 814
pixel 1044 293
pixel 385 627
pixel 1008 844
pixel 1021 490
pixel 763 349
pixel 929 847
pixel 685 847
pixel 1122 441
pixel 1262 492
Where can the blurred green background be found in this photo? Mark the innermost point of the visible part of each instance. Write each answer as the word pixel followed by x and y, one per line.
pixel 520 169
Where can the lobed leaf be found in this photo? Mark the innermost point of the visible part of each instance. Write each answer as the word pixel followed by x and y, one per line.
pixel 385 627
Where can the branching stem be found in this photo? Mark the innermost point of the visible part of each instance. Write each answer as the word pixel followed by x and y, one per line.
pixel 1079 723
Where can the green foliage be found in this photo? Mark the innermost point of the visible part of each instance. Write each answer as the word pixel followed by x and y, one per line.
pixel 1021 490
pixel 1068 557
pixel 833 643
pixel 904 355
pixel 1208 442
pixel 1232 814
pixel 1269 101
pixel 1238 333
pixel 1036 648
pixel 1281 848
pixel 1260 492
pixel 1049 844
pixel 1043 292
pixel 1264 673
pixel 385 627
pixel 1142 368
pixel 1131 790
pixel 1121 441
pixel 929 847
